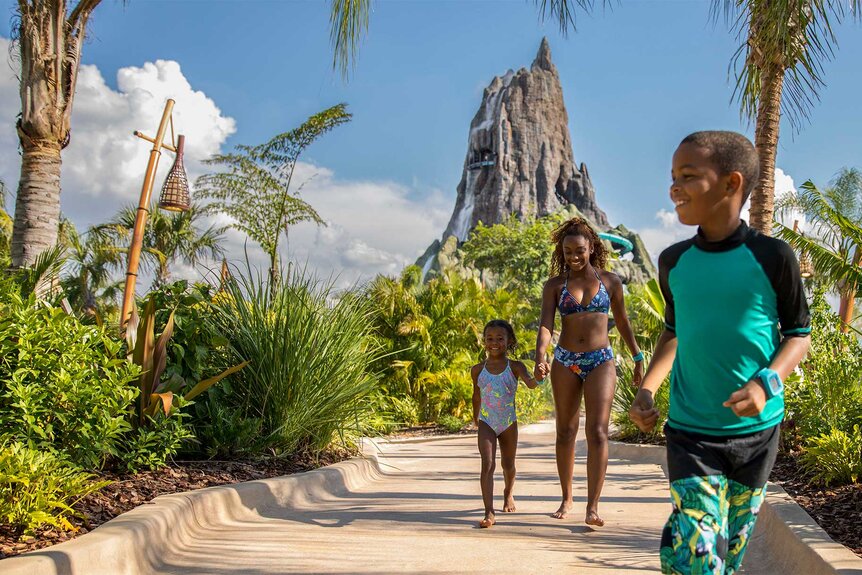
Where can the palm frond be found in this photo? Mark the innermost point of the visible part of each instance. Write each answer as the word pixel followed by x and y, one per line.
pixel 563 11
pixel 348 21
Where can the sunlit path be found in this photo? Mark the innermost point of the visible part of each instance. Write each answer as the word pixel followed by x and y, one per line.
pixel 421 518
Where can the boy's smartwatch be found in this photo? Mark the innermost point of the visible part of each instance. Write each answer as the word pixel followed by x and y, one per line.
pixel 771 382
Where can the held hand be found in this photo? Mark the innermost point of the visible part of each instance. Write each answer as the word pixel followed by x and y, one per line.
pixel 540 371
pixel 643 412
pixel 747 401
pixel 638 375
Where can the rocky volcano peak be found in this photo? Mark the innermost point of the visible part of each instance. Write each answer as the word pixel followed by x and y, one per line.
pixel 519 153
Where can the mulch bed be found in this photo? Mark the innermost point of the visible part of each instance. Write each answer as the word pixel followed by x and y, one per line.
pixel 838 510
pixel 429 430
pixel 130 490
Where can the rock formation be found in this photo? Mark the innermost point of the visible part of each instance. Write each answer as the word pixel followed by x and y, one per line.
pixel 519 153
pixel 519 158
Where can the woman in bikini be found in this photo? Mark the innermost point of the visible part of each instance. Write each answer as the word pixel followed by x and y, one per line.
pixel 583 292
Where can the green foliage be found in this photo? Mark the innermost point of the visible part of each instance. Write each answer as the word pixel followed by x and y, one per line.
pixel 532 405
pixel 829 396
pixel 91 258
pixel 150 354
pixel 222 431
pixel 254 188
pixel 64 386
pixel 450 423
pixel 311 359
pixel 835 457
pixel 169 236
pixel 624 395
pixel 431 335
pixel 834 242
pixel 514 251
pixel 151 446
pixel 39 488
pixel 645 307
pixel 5 230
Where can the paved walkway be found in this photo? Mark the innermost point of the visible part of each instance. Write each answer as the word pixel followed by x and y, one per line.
pixel 421 516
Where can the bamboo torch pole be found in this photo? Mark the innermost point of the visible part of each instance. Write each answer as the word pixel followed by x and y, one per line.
pixel 143 212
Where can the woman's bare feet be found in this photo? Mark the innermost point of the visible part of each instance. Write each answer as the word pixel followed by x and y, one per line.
pixel 488 520
pixel 508 503
pixel 594 519
pixel 563 511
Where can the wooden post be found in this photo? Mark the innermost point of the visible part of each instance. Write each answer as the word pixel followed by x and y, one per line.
pixel 143 212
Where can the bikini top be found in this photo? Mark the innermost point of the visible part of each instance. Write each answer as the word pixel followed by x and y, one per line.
pixel 568 305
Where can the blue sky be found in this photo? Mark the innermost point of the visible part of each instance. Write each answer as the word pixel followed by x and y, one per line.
pixel 636 79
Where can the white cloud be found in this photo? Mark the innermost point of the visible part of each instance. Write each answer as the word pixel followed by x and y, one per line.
pixel 373 227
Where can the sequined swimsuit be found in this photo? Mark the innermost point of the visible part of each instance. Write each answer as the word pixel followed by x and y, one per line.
pixel 498 398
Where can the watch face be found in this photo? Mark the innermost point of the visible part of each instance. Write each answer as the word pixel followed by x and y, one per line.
pixel 774 383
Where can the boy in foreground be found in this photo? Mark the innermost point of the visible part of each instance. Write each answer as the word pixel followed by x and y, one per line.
pixel 737 324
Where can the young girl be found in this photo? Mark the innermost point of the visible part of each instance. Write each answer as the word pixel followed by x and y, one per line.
pixel 583 292
pixel 494 384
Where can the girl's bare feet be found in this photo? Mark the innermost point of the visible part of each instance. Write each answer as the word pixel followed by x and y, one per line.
pixel 508 503
pixel 563 511
pixel 488 520
pixel 594 519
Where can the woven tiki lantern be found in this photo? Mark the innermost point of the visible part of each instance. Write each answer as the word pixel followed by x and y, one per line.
pixel 175 191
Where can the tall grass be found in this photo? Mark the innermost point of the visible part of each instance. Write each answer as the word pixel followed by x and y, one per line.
pixel 309 375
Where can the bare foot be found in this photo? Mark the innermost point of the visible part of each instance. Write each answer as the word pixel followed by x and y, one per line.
pixel 508 503
pixel 563 511
pixel 488 520
pixel 594 519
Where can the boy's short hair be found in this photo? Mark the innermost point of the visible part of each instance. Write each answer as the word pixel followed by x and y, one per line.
pixel 731 152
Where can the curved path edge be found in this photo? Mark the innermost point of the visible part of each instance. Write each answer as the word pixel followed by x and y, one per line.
pixel 134 542
pixel 787 539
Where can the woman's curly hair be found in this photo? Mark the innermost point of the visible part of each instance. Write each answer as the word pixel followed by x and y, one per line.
pixel 511 340
pixel 577 227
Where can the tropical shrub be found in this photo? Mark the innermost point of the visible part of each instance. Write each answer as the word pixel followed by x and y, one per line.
pixel 431 333
pixel 834 457
pixel 64 386
pixel 38 487
pixel 450 423
pixel 829 394
pixel 311 359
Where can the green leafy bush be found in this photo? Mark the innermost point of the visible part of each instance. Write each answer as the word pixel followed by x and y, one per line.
pixel 828 396
pixel 39 488
pixel 834 457
pixel 450 423
pixel 310 359
pixel 534 405
pixel 152 446
pixel 64 386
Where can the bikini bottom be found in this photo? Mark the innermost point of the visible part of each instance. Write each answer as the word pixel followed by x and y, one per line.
pixel 581 363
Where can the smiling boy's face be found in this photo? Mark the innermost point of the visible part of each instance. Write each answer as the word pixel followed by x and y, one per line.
pixel 698 191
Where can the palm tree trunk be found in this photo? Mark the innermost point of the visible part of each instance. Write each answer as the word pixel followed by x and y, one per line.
pixel 848 298
pixel 766 142
pixel 37 204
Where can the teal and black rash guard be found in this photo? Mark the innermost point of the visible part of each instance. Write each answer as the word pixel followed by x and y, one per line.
pixel 729 303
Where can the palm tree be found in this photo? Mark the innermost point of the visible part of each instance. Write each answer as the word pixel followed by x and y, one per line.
pixel 50 36
pixel 834 242
pixel 780 66
pixel 169 236
pixel 91 258
pixel 781 62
